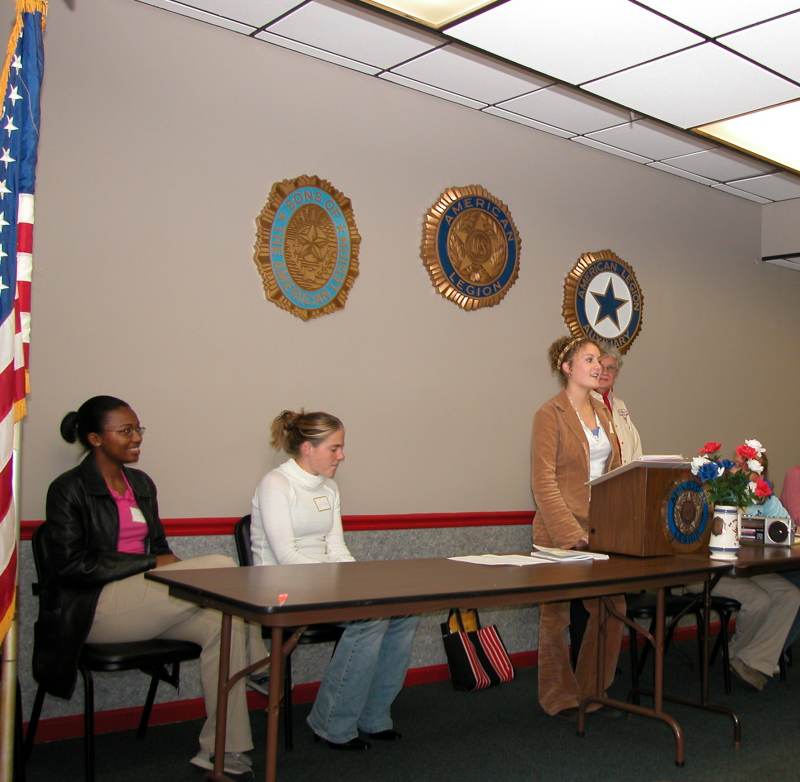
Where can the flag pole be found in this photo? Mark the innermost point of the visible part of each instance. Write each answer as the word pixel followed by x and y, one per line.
pixel 8 676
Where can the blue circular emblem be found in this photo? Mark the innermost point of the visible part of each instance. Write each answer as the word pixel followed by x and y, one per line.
pixel 603 300
pixel 686 512
pixel 309 248
pixel 471 247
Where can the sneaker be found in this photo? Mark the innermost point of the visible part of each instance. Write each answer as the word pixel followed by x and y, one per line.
pixel 258 682
pixel 236 763
pixel 749 675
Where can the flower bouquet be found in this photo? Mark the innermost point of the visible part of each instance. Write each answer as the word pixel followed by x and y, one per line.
pixel 730 486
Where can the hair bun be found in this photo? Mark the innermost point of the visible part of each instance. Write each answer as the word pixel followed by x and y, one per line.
pixel 69 427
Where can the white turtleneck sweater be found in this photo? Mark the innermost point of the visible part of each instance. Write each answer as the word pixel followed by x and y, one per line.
pixel 296 519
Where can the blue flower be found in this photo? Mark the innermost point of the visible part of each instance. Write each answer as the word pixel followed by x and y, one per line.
pixel 709 471
pixel 726 464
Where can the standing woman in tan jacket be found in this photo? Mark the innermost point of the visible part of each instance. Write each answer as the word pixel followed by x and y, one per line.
pixel 573 441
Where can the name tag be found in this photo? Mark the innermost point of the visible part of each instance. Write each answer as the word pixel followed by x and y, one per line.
pixel 322 503
pixel 136 515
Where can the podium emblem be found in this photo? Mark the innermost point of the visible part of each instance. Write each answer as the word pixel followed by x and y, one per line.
pixel 686 516
pixel 603 300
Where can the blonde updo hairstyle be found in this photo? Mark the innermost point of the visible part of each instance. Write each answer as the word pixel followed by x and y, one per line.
pixel 290 429
pixel 564 349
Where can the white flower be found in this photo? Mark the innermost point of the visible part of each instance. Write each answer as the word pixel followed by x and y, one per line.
pixel 698 462
pixel 756 445
pixel 755 466
pixel 752 487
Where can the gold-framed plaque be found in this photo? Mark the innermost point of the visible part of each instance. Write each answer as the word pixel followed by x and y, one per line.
pixel 470 247
pixel 307 246
pixel 603 300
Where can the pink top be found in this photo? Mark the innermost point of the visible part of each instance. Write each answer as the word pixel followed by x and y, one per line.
pixel 790 496
pixel 132 523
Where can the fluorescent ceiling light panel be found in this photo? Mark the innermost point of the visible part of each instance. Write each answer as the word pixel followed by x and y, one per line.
pixel 354 33
pixel 715 17
pixel 773 44
pixel 531 123
pixel 696 86
pixel 567 108
pixel 430 90
pixel 650 139
pixel 771 133
pixel 201 16
pixel 463 71
pixel 319 54
pixel 573 40
pixel 778 187
pixel 433 13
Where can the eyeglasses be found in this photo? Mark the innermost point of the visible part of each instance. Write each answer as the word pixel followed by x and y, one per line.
pixel 127 431
pixel 610 369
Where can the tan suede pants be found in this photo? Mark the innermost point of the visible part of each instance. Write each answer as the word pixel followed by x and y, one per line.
pixel 135 609
pixel 559 686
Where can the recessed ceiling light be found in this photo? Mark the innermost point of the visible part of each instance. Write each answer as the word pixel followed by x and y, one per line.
pixel 770 134
pixel 432 13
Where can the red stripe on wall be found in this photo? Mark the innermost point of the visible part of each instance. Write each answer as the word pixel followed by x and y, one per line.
pixel 224 525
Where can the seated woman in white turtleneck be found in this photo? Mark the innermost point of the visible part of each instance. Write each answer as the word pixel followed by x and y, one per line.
pixel 296 519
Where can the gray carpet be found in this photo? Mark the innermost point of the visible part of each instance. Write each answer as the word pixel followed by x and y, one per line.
pixel 498 735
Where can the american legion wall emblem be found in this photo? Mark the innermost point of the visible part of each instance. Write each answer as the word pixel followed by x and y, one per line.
pixel 603 300
pixel 307 246
pixel 470 247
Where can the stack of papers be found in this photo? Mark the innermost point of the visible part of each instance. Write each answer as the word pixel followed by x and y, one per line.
pixel 539 556
pixel 565 555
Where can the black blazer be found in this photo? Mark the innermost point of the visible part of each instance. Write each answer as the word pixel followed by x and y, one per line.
pixel 79 540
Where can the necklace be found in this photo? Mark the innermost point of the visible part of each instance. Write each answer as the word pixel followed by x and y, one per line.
pixel 593 431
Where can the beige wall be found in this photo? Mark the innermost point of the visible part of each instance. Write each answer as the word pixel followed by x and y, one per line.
pixel 780 227
pixel 161 138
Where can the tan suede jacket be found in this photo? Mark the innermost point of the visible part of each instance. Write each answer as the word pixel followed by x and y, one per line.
pixel 560 470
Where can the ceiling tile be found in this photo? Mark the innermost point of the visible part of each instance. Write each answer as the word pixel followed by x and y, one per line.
pixel 431 90
pixel 531 123
pixel 354 33
pixel 573 40
pixel 252 12
pixel 715 17
pixel 567 108
pixel 774 44
pixel 463 71
pixel 650 139
pixel 742 194
pixel 202 16
pixel 684 174
pixel 611 150
pixel 778 187
pixel 696 86
pixel 721 165
pixel 320 54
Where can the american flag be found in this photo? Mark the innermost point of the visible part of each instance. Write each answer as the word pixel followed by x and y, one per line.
pixel 20 84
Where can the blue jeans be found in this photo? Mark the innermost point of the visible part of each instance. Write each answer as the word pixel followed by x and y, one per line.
pixel 363 678
pixel 794 630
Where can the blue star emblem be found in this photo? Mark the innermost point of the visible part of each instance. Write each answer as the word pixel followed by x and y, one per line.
pixel 609 305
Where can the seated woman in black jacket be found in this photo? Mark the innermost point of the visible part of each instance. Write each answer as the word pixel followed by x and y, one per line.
pixel 102 532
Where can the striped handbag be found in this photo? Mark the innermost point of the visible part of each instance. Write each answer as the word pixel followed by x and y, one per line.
pixel 476 655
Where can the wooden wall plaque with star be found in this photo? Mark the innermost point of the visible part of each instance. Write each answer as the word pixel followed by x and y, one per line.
pixel 603 300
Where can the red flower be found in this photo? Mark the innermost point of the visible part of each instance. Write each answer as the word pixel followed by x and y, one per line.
pixel 763 489
pixel 746 452
pixel 709 447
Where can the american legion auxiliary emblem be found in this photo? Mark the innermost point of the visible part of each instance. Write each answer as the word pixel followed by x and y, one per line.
pixel 470 247
pixel 307 246
pixel 603 300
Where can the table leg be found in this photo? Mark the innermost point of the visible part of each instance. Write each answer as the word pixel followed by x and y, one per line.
pixel 222 699
pixel 277 661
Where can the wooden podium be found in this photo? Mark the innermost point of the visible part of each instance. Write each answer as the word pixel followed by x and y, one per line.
pixel 631 508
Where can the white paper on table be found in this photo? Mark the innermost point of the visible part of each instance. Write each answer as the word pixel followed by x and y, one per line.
pixel 565 555
pixel 517 560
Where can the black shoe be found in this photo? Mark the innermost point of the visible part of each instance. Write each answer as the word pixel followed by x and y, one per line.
pixel 386 735
pixel 567 715
pixel 354 745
